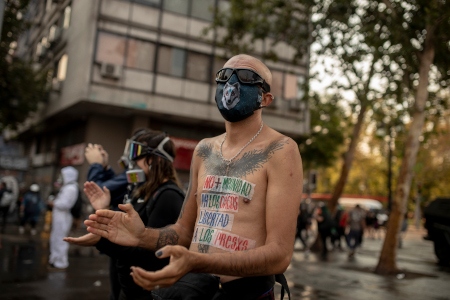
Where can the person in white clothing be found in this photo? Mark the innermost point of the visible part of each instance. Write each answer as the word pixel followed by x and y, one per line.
pixel 62 218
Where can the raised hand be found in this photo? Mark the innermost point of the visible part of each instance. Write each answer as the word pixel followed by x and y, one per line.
pixel 99 198
pixel 105 156
pixel 93 154
pixel 123 228
pixel 85 240
pixel 181 260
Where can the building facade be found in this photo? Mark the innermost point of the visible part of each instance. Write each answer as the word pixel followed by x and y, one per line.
pixel 117 65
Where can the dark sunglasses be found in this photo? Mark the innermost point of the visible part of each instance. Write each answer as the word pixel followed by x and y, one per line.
pixel 246 76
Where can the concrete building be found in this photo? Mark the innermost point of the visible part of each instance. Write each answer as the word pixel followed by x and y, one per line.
pixel 117 65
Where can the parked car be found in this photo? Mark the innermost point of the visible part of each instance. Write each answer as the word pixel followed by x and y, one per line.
pixel 437 223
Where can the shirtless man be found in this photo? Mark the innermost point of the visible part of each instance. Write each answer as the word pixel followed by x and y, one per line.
pixel 240 213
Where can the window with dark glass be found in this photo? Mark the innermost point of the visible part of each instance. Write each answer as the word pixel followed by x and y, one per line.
pixel 197 66
pixel 177 6
pixel 155 3
pixel 203 9
pixel 217 65
pixel 171 61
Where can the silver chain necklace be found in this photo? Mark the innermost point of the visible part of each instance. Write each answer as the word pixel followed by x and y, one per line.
pixel 228 161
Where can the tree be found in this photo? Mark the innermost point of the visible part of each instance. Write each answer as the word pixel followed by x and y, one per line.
pixel 417 36
pixel 321 148
pixel 398 42
pixel 21 87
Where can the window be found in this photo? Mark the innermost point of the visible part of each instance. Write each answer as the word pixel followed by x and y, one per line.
pixel 140 55
pixel 110 48
pixel 290 87
pixel 66 18
pixel 62 68
pixel 203 9
pixel 217 65
pixel 197 67
pixel 177 6
pixel 155 3
pixel 276 88
pixel 171 61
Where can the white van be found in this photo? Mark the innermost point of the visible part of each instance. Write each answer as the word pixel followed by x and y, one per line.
pixel 367 204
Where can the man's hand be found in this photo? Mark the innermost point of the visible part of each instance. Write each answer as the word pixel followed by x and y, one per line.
pixel 99 198
pixel 181 262
pixel 95 154
pixel 85 240
pixel 121 228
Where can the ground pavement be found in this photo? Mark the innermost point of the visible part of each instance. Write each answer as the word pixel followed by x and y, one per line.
pixel 23 273
pixel 339 277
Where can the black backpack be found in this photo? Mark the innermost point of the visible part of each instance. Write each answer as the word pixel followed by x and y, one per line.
pixel 173 187
pixel 77 208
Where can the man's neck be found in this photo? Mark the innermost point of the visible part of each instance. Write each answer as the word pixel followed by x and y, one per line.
pixel 243 130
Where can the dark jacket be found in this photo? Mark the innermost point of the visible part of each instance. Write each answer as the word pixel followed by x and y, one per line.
pixel 116 184
pixel 162 209
pixel 33 204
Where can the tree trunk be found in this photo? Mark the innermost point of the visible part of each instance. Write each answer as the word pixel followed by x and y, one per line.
pixel 387 261
pixel 348 159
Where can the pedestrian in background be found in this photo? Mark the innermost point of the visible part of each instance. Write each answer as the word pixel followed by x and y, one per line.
pixel 30 209
pixel 339 224
pixel 324 226
pixel 158 200
pixel 403 229
pixel 103 175
pixel 62 219
pixel 371 220
pixel 6 202
pixel 356 223
pixel 304 224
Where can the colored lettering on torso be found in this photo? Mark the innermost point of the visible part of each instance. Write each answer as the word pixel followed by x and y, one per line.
pixel 231 185
pixel 221 239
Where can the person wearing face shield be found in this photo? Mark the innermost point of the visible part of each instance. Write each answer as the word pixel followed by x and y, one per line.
pixel 118 186
pixel 155 195
pixel 235 235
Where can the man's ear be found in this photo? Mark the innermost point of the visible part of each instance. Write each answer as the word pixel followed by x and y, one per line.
pixel 267 99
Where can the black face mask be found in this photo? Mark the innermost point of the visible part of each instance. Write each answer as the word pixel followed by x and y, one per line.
pixel 237 101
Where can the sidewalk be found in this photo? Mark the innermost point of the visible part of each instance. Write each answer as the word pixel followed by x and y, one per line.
pixel 23 273
pixel 309 277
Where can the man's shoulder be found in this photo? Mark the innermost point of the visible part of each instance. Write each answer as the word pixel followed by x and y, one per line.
pixel 208 142
pixel 279 141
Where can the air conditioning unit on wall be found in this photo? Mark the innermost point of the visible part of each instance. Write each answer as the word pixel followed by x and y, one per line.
pixel 111 71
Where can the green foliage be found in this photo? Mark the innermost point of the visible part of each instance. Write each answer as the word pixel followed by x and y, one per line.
pixel 21 88
pixel 321 148
pixel 248 21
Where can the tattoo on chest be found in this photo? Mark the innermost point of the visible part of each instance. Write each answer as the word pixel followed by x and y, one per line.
pixel 203 248
pixel 250 162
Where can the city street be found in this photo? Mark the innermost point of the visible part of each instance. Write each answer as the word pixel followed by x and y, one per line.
pixel 24 274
